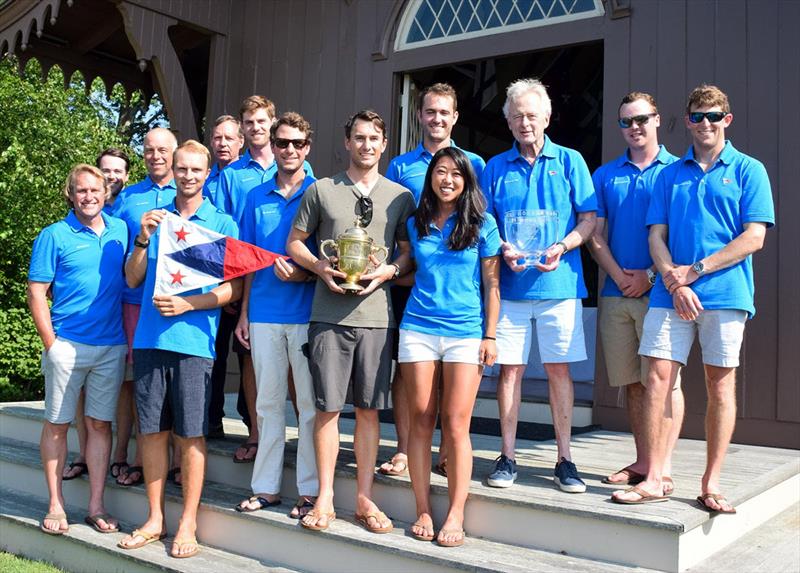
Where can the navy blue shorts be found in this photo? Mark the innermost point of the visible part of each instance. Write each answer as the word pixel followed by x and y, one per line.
pixel 172 392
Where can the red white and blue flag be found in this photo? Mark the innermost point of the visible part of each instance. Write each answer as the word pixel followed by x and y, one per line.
pixel 191 257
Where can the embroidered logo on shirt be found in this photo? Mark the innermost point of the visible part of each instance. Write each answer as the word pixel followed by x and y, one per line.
pixel 725 180
pixel 552 172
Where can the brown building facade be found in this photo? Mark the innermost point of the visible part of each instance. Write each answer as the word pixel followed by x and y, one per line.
pixel 328 58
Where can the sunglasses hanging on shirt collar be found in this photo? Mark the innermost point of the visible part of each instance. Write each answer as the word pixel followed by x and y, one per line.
pixel 364 211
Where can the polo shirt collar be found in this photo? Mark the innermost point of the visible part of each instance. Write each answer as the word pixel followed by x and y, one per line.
pixel 420 151
pixel 203 212
pixel 152 184
pixel 77 227
pixel 214 171
pixel 726 156
pixel 547 150
pixel 662 156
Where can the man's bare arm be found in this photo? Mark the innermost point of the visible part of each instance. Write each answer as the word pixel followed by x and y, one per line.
pixel 296 248
pixel 40 311
pixel 225 293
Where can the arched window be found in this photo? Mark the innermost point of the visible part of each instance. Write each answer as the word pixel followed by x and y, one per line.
pixel 427 22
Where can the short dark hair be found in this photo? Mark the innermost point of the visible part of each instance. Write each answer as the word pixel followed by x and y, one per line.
pixel 706 95
pixel 439 89
pixel 365 115
pixel 291 119
pixel 633 96
pixel 114 152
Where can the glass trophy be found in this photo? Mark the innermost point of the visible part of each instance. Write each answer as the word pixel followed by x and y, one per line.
pixel 531 232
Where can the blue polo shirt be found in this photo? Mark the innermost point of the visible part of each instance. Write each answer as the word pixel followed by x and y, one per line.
pixel 704 212
pixel 410 168
pixel 211 188
pixel 193 332
pixel 239 178
pixel 266 222
pixel 446 298
pixel 86 272
pixel 623 195
pixel 558 180
pixel 133 202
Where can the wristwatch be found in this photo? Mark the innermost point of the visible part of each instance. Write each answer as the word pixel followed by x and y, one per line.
pixel 651 276
pixel 141 244
pixel 396 270
pixel 699 268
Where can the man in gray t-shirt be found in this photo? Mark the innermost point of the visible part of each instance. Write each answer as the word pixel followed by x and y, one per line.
pixel 351 335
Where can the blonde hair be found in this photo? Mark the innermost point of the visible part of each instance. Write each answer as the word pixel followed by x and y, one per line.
pixel 254 102
pixel 72 181
pixel 192 146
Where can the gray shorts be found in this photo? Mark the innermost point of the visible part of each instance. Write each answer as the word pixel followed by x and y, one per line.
pixel 173 391
pixel 69 366
pixel 350 364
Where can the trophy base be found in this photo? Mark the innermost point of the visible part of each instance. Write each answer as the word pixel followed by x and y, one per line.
pixel 528 261
pixel 351 288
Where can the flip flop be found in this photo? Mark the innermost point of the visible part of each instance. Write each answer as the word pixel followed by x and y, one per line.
pixel 262 503
pixel 441 468
pixel 306 503
pixel 378 516
pixel 402 460
pixel 55 517
pixel 147 539
pixel 118 466
pixel 248 446
pixel 84 469
pixel 456 543
pixel 718 497
pixel 131 470
pixel 422 537
pixel 644 497
pixel 93 519
pixel 330 517
pixel 668 485
pixel 633 477
pixel 179 543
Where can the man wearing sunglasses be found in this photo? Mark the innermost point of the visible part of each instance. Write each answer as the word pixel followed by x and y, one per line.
pixel 351 336
pixel 276 305
pixel 619 245
pixel 437 113
pixel 708 214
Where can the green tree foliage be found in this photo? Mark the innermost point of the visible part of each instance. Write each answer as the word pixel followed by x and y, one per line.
pixel 45 129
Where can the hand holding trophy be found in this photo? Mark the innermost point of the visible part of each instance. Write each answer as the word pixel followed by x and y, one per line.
pixel 530 232
pixel 352 250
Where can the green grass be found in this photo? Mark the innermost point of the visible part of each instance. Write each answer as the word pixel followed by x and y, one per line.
pixel 12 564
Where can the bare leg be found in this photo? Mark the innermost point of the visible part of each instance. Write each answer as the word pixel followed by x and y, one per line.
pixel 193 464
pixel 423 392
pixel 461 383
pixel 155 458
pixel 365 441
pixel 98 450
pixel 80 426
pixel 249 386
pixel 53 449
pixel 124 421
pixel 720 422
pixel 326 442
pixel 562 398
pixel 656 425
pixel 678 408
pixel 509 396
pixel 634 397
pixel 400 410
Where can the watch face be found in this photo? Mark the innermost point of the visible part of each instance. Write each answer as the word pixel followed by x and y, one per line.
pixel 698 267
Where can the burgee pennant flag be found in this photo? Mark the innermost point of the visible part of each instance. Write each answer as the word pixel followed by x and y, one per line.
pixel 191 257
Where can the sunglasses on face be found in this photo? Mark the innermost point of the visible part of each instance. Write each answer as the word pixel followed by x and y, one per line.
pixel 626 122
pixel 364 211
pixel 711 116
pixel 284 143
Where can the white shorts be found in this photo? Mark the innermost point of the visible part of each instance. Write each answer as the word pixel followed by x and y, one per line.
pixel 69 366
pixel 559 331
pixel 421 347
pixel 666 335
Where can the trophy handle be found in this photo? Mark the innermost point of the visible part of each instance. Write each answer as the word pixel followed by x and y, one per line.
pixel 327 243
pixel 379 249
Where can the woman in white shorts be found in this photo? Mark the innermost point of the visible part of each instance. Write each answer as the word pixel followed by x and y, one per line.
pixel 447 327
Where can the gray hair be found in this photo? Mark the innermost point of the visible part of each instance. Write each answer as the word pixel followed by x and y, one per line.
pixel 519 88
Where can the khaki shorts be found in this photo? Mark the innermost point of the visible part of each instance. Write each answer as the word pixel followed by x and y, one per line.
pixel 620 321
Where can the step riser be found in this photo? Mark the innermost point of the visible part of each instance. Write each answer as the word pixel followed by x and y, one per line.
pixel 256 538
pixel 68 555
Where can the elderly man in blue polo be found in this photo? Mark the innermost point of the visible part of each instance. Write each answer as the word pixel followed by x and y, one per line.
pixel 81 258
pixel 537 174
